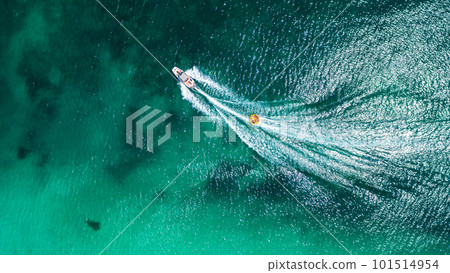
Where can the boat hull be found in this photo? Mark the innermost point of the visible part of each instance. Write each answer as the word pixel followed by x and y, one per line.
pixel 184 78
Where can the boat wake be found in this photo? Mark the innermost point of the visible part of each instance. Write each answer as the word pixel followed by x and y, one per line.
pixel 361 131
pixel 372 153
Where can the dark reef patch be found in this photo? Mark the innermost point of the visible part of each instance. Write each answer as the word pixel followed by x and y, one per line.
pixel 93 224
pixel 270 189
pixel 131 158
pixel 47 109
pixel 34 67
pixel 23 152
pixel 121 170
pixel 43 160
pixel 223 178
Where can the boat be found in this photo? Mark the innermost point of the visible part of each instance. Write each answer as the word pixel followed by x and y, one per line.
pixel 254 119
pixel 184 78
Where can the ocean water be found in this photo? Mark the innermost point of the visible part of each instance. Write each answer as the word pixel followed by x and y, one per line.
pixel 357 128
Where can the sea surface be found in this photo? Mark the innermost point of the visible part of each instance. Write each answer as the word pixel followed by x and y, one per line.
pixel 357 128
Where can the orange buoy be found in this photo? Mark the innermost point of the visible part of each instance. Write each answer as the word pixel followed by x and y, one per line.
pixel 254 119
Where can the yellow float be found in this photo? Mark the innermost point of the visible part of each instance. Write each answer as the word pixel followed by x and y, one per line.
pixel 254 119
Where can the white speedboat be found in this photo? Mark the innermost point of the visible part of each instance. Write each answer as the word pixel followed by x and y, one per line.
pixel 184 78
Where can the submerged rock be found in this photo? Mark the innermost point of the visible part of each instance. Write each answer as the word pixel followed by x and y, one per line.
pixel 22 152
pixel 93 224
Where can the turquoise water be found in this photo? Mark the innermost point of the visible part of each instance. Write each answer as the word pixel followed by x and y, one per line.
pixel 367 151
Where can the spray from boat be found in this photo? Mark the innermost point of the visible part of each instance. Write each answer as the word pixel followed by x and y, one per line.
pixel 187 81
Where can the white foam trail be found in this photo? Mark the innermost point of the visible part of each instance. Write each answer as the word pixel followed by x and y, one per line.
pixel 336 150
